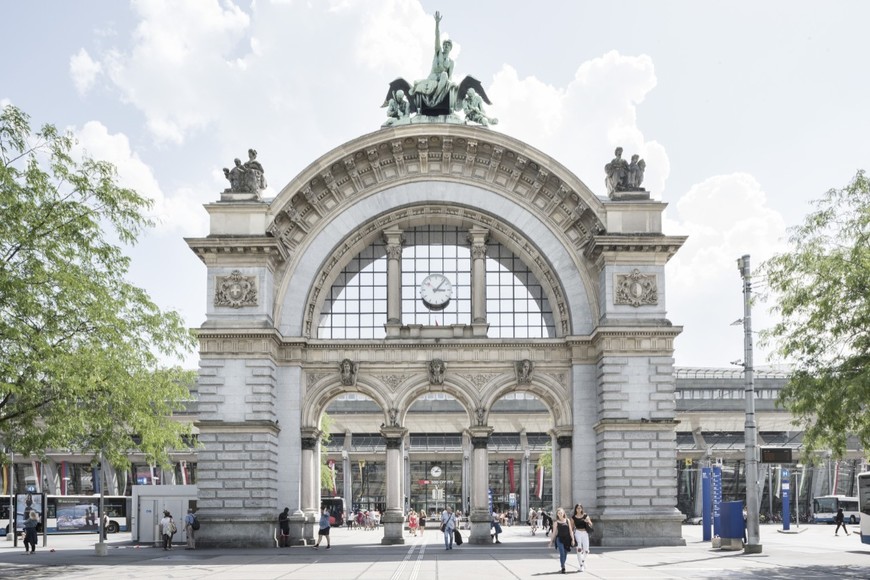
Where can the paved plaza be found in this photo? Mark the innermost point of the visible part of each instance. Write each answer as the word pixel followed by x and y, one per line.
pixel 813 553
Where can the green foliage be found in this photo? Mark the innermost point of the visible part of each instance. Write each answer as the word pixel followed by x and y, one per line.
pixel 545 460
pixel 327 477
pixel 79 346
pixel 822 292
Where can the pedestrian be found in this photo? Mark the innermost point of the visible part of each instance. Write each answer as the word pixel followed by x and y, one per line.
pixel 546 522
pixel 190 527
pixel 533 520
pixel 448 524
pixel 105 520
pixel 30 537
pixel 495 528
pixel 412 523
pixel 582 528
pixel 284 528
pixel 562 536
pixel 422 522
pixel 324 528
pixel 840 520
pixel 167 529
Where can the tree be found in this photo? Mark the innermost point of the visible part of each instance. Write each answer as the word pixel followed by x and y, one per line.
pixel 822 292
pixel 80 347
pixel 327 475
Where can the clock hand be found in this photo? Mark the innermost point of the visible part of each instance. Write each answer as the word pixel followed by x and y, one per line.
pixel 443 280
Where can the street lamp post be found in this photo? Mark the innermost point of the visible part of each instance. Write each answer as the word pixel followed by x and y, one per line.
pixel 753 546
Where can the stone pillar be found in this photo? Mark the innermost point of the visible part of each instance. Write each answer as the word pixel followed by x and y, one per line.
pixel 477 239
pixel 524 476
pixel 480 516
pixel 310 481
pixel 393 239
pixel 565 471
pixel 394 517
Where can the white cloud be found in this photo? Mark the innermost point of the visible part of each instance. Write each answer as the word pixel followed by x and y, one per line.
pixel 83 70
pixel 180 212
pixel 725 217
pixel 581 124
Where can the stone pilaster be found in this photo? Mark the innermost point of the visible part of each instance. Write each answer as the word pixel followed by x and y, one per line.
pixel 480 517
pixel 393 239
pixel 565 442
pixel 394 517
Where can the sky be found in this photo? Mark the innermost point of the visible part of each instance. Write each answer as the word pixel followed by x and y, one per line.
pixel 744 111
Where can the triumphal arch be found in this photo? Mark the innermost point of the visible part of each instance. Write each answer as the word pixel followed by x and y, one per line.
pixel 436 255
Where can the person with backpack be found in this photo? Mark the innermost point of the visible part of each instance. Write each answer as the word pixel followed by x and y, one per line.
pixel 167 529
pixel 191 524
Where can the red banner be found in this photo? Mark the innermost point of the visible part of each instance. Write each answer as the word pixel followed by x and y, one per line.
pixel 539 483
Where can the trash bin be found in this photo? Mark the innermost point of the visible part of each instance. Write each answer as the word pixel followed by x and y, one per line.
pixel 731 525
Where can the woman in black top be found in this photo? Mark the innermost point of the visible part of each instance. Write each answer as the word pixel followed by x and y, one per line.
pixel 562 536
pixel 582 528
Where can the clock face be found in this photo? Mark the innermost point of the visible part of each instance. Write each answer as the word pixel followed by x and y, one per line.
pixel 436 291
pixel 435 471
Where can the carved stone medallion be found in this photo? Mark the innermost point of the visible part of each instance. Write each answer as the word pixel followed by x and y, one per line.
pixel 636 289
pixel 235 290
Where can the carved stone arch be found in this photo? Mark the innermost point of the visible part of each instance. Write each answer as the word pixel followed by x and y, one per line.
pixel 459 391
pixel 315 403
pixel 553 394
pixel 554 280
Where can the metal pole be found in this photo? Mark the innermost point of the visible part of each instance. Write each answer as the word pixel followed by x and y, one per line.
pixel 12 499
pixel 753 545
pixel 101 548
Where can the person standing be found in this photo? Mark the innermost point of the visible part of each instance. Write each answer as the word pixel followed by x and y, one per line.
pixel 562 536
pixel 190 529
pixel 582 528
pixel 284 528
pixel 495 528
pixel 448 524
pixel 422 522
pixel 412 523
pixel 533 520
pixel 30 537
pixel 167 529
pixel 324 528
pixel 840 520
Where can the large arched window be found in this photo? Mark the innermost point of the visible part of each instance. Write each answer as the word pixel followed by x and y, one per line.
pixel 356 305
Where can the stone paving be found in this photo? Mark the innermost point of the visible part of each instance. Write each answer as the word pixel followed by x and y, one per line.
pixel 813 553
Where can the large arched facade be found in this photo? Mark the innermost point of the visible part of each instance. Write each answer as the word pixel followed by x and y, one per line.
pixel 602 365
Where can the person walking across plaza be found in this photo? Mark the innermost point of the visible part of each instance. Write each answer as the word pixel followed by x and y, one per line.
pixel 324 528
pixel 562 536
pixel 582 528
pixel 448 524
pixel 840 520
pixel 190 527
pixel 167 529
pixel 30 535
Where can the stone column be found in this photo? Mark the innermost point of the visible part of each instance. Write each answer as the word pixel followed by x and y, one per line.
pixel 565 471
pixel 394 518
pixel 477 239
pixel 310 482
pixel 525 496
pixel 480 516
pixel 393 238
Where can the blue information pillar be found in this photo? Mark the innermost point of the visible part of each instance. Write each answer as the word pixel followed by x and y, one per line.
pixel 706 476
pixel 786 499
pixel 717 500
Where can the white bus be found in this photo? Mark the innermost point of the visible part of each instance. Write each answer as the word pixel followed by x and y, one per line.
pixel 864 505
pixel 65 514
pixel 825 509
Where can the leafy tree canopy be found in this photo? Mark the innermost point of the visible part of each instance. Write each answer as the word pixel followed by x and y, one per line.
pixel 822 292
pixel 80 347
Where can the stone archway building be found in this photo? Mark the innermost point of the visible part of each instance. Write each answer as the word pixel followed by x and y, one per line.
pixel 605 374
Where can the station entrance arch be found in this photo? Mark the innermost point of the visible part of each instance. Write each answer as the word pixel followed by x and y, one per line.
pixel 316 294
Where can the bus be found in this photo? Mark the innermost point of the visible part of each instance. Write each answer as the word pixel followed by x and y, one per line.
pixel 336 507
pixel 825 509
pixel 864 505
pixel 69 514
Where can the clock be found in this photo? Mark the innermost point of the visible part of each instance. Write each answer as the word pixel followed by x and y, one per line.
pixel 435 471
pixel 436 291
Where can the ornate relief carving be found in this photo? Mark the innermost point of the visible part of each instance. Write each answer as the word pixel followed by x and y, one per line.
pixel 436 371
pixel 393 415
pixel 636 289
pixel 235 290
pixel 312 378
pixel 348 371
pixel 480 416
pixel 393 381
pixel 479 380
pixel 525 368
